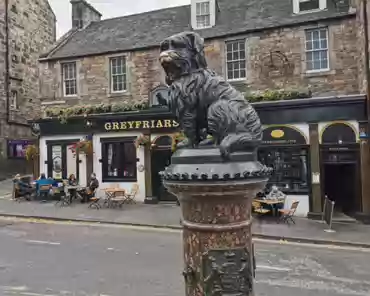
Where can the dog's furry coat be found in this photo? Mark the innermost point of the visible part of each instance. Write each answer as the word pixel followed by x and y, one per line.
pixel 204 101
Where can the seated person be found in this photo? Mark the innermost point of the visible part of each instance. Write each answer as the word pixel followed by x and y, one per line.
pixel 43 181
pixel 276 194
pixel 72 181
pixel 89 191
pixel 22 188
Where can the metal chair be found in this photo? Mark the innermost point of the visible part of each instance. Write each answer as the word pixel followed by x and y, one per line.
pixel 94 200
pixel 130 197
pixel 287 214
pixel 44 191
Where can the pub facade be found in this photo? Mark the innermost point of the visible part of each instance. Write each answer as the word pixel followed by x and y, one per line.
pixel 314 146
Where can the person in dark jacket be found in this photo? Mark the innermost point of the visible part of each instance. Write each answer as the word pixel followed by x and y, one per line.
pixel 89 191
pixel 22 188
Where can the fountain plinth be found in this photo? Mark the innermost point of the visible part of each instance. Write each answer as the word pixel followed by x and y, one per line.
pixel 215 197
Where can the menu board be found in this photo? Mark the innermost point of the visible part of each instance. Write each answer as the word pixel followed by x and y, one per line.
pixel 57 162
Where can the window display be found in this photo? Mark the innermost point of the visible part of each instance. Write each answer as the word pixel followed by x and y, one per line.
pixel 290 168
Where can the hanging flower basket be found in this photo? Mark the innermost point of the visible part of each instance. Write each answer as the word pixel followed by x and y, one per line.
pixel 142 141
pixel 177 138
pixel 31 152
pixel 82 147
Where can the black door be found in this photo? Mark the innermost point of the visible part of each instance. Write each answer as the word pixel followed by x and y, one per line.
pixel 341 178
pixel 161 158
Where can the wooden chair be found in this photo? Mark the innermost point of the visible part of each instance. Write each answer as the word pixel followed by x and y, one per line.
pixel 287 214
pixel 94 200
pixel 130 197
pixel 258 209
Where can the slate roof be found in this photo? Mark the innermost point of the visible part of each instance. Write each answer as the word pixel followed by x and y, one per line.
pixel 148 29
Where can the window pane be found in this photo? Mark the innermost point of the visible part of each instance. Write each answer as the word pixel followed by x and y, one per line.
pixel 119 160
pixel 317 54
pixel 305 5
pixel 236 59
pixel 290 168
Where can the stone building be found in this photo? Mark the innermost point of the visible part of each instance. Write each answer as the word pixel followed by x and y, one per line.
pixel 27 28
pixel 313 46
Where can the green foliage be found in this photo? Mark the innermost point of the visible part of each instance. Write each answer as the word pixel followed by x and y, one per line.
pixel 276 95
pixel 63 114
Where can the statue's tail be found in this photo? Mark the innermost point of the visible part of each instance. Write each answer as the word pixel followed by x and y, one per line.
pixel 238 142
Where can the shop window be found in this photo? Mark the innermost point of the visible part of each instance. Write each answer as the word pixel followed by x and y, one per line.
pixel 119 160
pixel 16 148
pixel 290 166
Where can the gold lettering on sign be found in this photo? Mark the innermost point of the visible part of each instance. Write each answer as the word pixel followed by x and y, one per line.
pixel 108 126
pixel 146 124
pixel 159 124
pixel 141 124
pixel 115 126
pixel 131 124
pixel 167 123
pixel 123 125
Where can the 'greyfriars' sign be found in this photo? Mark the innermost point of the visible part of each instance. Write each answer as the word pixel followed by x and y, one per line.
pixel 140 124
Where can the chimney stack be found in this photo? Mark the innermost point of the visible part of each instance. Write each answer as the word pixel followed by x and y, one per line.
pixel 83 14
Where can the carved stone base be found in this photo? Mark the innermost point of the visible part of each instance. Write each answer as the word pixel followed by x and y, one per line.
pixel 218 252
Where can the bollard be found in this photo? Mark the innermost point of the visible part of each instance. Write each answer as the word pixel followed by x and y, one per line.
pixel 215 197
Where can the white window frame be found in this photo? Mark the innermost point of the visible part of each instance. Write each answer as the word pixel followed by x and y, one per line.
pixel 322 6
pixel 201 13
pixel 65 79
pixel 194 15
pixel 124 74
pixel 239 41
pixel 317 49
pixel 13 100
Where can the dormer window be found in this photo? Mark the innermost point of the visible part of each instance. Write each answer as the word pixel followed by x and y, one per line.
pixel 305 6
pixel 203 13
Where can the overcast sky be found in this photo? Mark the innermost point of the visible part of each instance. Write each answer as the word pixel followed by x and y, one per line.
pixel 109 9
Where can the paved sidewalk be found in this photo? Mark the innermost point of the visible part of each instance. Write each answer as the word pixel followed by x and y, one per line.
pixel 164 215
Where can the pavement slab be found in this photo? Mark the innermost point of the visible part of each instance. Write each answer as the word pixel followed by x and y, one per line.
pixel 39 259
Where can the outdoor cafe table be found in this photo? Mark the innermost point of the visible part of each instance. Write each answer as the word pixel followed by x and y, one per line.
pixel 272 203
pixel 111 193
pixel 72 191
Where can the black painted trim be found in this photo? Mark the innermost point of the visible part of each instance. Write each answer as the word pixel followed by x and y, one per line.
pixel 118 140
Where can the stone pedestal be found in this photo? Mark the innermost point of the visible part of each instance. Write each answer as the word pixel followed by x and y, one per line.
pixel 216 199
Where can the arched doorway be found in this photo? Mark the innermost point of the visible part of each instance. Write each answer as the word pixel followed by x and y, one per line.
pixel 161 158
pixel 340 166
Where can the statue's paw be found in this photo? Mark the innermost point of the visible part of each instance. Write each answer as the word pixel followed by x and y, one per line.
pixel 225 153
pixel 183 144
pixel 207 142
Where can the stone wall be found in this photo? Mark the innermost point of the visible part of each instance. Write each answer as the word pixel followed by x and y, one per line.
pixel 31 31
pixel 144 71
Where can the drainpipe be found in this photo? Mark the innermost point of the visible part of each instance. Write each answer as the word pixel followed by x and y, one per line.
pixel 7 68
pixel 367 61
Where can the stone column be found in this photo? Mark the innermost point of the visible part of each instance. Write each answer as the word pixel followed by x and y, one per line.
pixel 216 199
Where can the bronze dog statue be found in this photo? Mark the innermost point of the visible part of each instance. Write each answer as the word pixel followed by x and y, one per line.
pixel 204 103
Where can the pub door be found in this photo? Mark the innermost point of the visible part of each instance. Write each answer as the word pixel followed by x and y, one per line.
pixel 161 158
pixel 340 169
pixel 61 161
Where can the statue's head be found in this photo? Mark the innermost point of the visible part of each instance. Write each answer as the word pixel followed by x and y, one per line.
pixel 182 54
